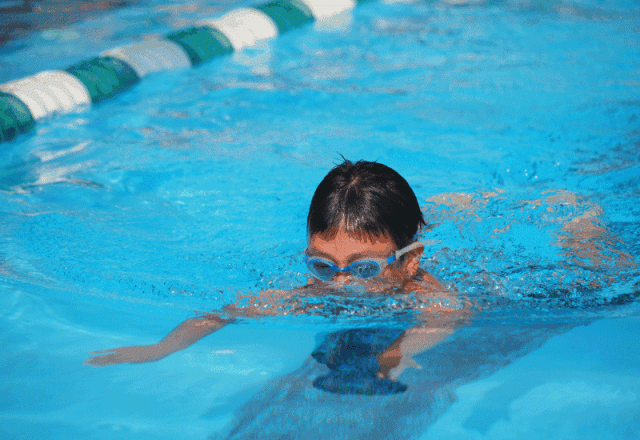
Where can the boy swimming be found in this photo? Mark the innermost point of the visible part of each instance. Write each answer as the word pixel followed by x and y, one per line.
pixel 360 230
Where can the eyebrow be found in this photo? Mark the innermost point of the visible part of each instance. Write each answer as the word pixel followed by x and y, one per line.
pixel 351 259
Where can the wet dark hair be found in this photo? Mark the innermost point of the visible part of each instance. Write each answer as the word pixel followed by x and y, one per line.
pixel 366 199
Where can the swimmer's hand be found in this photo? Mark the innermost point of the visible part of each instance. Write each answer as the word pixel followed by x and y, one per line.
pixel 391 364
pixel 187 333
pixel 132 355
pixel 399 355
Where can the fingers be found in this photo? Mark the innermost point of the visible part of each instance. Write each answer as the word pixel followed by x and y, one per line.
pixel 395 372
pixel 101 361
pixel 111 357
pixel 410 362
pixel 111 350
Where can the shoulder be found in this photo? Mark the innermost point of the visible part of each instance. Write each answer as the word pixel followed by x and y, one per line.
pixel 431 294
pixel 424 282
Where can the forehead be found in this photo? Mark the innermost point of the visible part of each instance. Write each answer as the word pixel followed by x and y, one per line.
pixel 340 244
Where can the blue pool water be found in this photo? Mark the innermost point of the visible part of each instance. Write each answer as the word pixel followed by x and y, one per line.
pixel 516 123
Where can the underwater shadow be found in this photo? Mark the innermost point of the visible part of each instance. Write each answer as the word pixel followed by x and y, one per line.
pixel 336 394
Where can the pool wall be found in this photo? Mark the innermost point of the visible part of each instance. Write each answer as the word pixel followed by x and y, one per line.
pixel 26 101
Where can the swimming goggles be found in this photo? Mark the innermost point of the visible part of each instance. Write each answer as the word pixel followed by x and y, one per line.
pixel 324 269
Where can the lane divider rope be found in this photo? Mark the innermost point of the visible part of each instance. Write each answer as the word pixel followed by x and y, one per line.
pixel 26 101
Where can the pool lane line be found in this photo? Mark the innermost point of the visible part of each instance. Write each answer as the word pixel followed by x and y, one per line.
pixel 26 101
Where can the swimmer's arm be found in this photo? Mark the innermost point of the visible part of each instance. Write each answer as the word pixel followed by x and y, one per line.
pixel 399 355
pixel 439 324
pixel 184 335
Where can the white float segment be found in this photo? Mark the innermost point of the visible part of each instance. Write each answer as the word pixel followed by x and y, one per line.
pixel 70 90
pixel 151 56
pixel 244 27
pixel 25 90
pixel 322 9
pixel 49 92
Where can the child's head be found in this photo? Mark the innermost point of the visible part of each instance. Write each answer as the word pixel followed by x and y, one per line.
pixel 363 212
pixel 365 199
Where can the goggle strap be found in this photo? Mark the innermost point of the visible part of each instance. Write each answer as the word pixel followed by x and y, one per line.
pixel 409 248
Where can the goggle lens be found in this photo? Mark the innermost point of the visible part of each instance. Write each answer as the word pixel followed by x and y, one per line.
pixel 365 269
pixel 321 269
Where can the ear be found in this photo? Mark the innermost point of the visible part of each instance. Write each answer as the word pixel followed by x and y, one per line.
pixel 411 262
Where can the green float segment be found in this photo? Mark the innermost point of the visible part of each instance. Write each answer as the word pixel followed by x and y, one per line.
pixel 104 77
pixel 201 43
pixel 15 117
pixel 287 14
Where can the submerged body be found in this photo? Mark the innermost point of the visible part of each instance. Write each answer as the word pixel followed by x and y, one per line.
pixel 397 279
